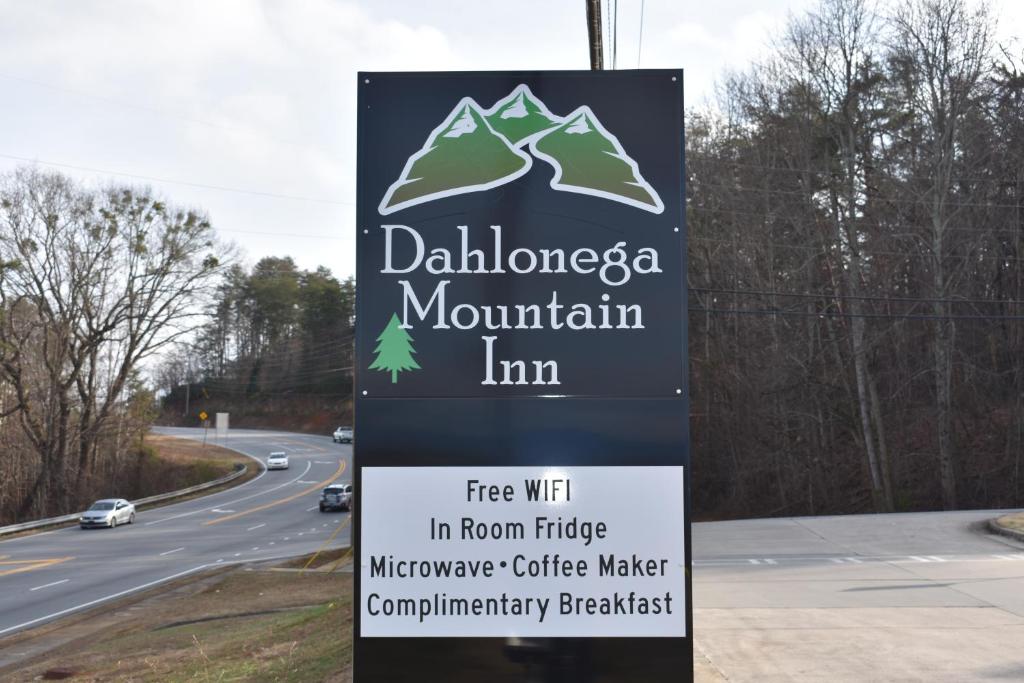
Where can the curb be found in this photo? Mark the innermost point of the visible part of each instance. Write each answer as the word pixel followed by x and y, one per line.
pixel 996 527
pixel 240 470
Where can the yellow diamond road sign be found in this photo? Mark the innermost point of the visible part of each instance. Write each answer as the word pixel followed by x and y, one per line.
pixel 203 415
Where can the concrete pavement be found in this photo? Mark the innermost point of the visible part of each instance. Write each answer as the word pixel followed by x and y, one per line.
pixel 906 597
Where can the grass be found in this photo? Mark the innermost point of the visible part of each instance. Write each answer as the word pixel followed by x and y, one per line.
pixel 241 626
pixel 1014 521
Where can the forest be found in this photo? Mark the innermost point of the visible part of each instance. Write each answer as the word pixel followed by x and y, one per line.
pixel 856 216
pixel 855 208
pixel 276 349
pixel 855 231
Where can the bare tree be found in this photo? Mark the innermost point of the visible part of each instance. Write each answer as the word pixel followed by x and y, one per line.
pixel 92 283
pixel 942 55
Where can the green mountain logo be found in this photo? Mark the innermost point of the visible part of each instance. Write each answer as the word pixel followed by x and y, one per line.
pixel 521 117
pixel 461 155
pixel 589 160
pixel 476 149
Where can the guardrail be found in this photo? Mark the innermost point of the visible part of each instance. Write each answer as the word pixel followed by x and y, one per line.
pixel 240 469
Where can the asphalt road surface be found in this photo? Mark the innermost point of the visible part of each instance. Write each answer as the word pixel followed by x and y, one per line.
pixel 48 575
pixel 904 597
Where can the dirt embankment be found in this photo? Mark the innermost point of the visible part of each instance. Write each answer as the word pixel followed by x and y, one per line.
pixel 162 464
pixel 166 463
pixel 304 415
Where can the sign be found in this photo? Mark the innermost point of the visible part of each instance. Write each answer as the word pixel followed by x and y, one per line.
pixel 221 426
pixel 203 415
pixel 521 364
pixel 576 291
pixel 535 551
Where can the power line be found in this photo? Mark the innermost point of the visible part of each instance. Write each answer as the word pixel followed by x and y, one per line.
pixel 833 314
pixel 875 197
pixel 801 171
pixel 279 234
pixel 825 249
pixel 172 181
pixel 853 297
pixel 640 42
pixel 154 110
pixel 764 214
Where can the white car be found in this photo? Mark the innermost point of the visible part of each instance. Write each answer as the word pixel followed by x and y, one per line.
pixel 108 512
pixel 277 461
pixel 343 435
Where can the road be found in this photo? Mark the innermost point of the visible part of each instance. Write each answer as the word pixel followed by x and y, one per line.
pixel 52 574
pixel 904 597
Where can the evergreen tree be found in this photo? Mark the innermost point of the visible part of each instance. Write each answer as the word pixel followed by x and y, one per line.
pixel 394 352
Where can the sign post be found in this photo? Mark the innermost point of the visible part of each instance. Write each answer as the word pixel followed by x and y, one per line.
pixel 521 378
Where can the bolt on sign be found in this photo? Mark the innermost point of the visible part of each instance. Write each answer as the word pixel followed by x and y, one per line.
pixel 521 378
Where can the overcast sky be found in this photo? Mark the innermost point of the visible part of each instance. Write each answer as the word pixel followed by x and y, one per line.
pixel 222 95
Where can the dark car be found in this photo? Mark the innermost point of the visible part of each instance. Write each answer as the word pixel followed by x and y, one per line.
pixel 336 497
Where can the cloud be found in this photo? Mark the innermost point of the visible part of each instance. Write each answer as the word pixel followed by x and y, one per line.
pixel 233 93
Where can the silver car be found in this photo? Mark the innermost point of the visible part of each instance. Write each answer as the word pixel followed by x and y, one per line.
pixel 336 497
pixel 108 512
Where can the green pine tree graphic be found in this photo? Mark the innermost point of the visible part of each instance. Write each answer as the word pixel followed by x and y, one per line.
pixel 394 351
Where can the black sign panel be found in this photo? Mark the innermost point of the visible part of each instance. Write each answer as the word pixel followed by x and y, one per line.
pixel 525 232
pixel 521 443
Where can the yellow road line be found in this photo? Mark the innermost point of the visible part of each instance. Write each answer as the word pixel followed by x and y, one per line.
pixel 324 544
pixel 340 560
pixel 275 503
pixel 30 565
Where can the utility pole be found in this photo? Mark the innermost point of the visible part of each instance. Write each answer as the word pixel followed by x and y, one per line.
pixel 594 35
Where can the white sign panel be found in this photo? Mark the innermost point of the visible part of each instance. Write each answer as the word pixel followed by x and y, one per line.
pixel 523 551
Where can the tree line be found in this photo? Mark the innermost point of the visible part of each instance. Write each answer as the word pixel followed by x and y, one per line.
pixel 855 209
pixel 274 334
pixel 856 224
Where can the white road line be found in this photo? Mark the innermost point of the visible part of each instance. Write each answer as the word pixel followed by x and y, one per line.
pixel 258 526
pixel 919 558
pixel 307 482
pixel 323 462
pixel 97 601
pixel 311 509
pixel 770 561
pixel 238 500
pixel 44 533
pixel 55 583
pixel 854 560
pixel 172 551
pixel 935 558
pixel 754 561
pixel 287 538
pixel 237 554
pixel 256 548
